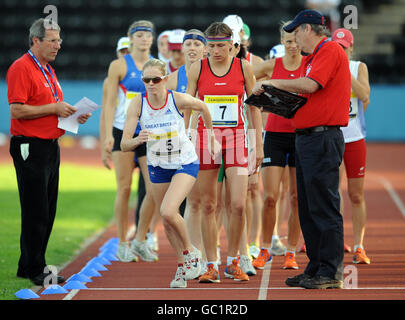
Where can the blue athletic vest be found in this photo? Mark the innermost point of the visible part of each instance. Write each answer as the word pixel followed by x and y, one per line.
pixel 181 80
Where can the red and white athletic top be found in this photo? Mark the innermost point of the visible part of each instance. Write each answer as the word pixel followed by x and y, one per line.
pixel 274 122
pixel 223 95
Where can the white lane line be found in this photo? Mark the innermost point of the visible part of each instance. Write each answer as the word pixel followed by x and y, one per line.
pixel 71 294
pixel 234 288
pixel 265 282
pixel 393 194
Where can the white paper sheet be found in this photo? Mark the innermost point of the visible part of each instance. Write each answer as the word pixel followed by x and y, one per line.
pixel 84 106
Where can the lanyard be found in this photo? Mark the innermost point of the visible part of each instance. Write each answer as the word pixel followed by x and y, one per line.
pixel 317 49
pixel 53 90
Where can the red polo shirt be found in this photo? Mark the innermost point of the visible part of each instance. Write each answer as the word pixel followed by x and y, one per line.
pixel 27 85
pixel 328 106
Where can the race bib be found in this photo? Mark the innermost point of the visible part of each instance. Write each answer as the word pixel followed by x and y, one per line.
pixel 354 106
pixel 223 109
pixel 166 145
pixel 128 97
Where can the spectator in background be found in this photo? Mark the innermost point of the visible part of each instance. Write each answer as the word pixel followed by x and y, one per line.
pixel 36 101
pixel 175 53
pixel 355 144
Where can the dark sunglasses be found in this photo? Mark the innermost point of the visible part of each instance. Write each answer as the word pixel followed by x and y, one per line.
pixel 154 80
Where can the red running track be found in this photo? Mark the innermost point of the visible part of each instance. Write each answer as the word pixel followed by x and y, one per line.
pixel 383 279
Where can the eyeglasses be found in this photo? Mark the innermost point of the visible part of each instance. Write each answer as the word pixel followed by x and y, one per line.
pixel 154 80
pixel 54 41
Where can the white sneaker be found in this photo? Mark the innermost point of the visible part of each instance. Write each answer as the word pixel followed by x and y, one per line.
pixel 179 280
pixel 254 250
pixel 246 265
pixel 192 264
pixel 124 253
pixel 277 248
pixel 143 251
pixel 152 241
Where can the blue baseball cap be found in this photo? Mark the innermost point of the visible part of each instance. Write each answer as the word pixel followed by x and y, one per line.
pixel 306 16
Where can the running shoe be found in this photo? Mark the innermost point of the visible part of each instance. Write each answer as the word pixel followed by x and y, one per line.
pixel 142 250
pixel 152 241
pixel 246 265
pixel 212 275
pixel 254 250
pixel 263 258
pixel 179 280
pixel 360 257
pixel 277 248
pixel 348 248
pixel 124 253
pixel 192 264
pixel 289 261
pixel 235 272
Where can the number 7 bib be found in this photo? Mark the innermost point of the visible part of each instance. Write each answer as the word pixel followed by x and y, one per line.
pixel 223 110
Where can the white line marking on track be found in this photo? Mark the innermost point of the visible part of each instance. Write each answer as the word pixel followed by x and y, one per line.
pixel 71 294
pixel 234 288
pixel 393 194
pixel 265 282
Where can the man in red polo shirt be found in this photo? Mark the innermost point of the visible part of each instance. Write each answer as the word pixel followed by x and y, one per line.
pixel 319 148
pixel 36 100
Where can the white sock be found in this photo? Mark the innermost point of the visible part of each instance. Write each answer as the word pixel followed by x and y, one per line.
pixel 274 238
pixel 230 259
pixel 358 246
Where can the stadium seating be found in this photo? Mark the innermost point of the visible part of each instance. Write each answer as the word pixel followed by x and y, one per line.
pixel 91 28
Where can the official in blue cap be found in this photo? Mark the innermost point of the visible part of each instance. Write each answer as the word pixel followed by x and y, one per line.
pixel 305 16
pixel 319 147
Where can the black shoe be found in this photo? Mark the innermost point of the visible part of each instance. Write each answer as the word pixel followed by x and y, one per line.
pixel 39 280
pixel 295 281
pixel 321 282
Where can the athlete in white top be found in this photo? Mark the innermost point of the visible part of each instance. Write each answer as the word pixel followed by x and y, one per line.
pixel 355 145
pixel 172 160
pixel 123 84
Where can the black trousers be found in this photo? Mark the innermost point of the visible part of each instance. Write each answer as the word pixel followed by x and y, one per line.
pixel 36 162
pixel 318 157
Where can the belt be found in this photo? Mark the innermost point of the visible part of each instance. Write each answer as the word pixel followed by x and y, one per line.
pixel 316 129
pixel 34 138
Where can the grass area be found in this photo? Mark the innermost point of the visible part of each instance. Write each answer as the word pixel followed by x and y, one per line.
pixel 85 206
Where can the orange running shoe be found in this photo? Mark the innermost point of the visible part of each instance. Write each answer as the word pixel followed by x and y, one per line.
pixel 360 257
pixel 263 258
pixel 289 261
pixel 234 272
pixel 212 275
